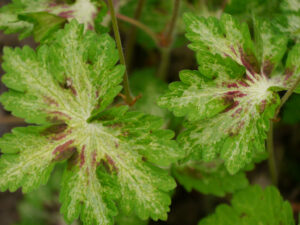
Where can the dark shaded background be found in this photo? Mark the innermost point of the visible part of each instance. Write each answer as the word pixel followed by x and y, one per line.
pixel 187 208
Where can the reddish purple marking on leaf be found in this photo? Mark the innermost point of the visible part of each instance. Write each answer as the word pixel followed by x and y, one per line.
pixel 226 55
pixel 50 101
pixel 249 62
pixel 111 162
pixel 61 136
pixel 116 144
pixel 94 15
pixel 236 112
pixel 94 158
pixel 54 119
pixel 234 130
pixel 241 124
pixel 288 73
pixel 60 114
pixel 243 83
pixel 247 65
pixel 249 78
pixel 228 100
pixel 232 106
pixel 66 154
pixel 59 149
pixel 233 50
pixel 90 26
pixel 235 94
pixel 97 94
pixel 268 67
pixel 82 156
pixel 232 93
pixel 232 85
pixel 263 106
pixel 241 95
pixel 73 90
pixel 66 14
pixel 55 129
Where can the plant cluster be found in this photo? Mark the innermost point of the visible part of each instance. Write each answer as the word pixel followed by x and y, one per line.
pixel 110 131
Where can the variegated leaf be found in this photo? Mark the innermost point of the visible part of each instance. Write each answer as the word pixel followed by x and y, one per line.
pixel 231 98
pixel 112 154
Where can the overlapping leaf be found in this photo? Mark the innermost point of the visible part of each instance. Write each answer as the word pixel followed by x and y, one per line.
pixel 112 154
pixel 288 21
pixel 245 9
pixel 209 178
pixel 253 206
pixel 42 16
pixel 232 96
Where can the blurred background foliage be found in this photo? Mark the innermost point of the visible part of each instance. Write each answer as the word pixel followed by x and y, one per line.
pixel 191 200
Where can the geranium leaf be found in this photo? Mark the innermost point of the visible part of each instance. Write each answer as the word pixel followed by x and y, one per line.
pixel 209 178
pixel 33 16
pixel 65 88
pixel 288 21
pixel 253 206
pixel 231 98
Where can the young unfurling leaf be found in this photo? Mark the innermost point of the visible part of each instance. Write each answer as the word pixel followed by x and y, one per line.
pixel 231 98
pixel 112 154
pixel 253 206
pixel 41 16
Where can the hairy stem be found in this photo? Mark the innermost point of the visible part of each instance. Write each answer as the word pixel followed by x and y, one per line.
pixel 128 97
pixel 286 96
pixel 140 25
pixel 271 159
pixel 131 35
pixel 169 39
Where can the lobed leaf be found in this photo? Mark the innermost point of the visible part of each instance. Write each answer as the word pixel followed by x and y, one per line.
pixel 253 206
pixel 233 95
pixel 288 20
pixel 112 155
pixel 41 17
pixel 209 178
